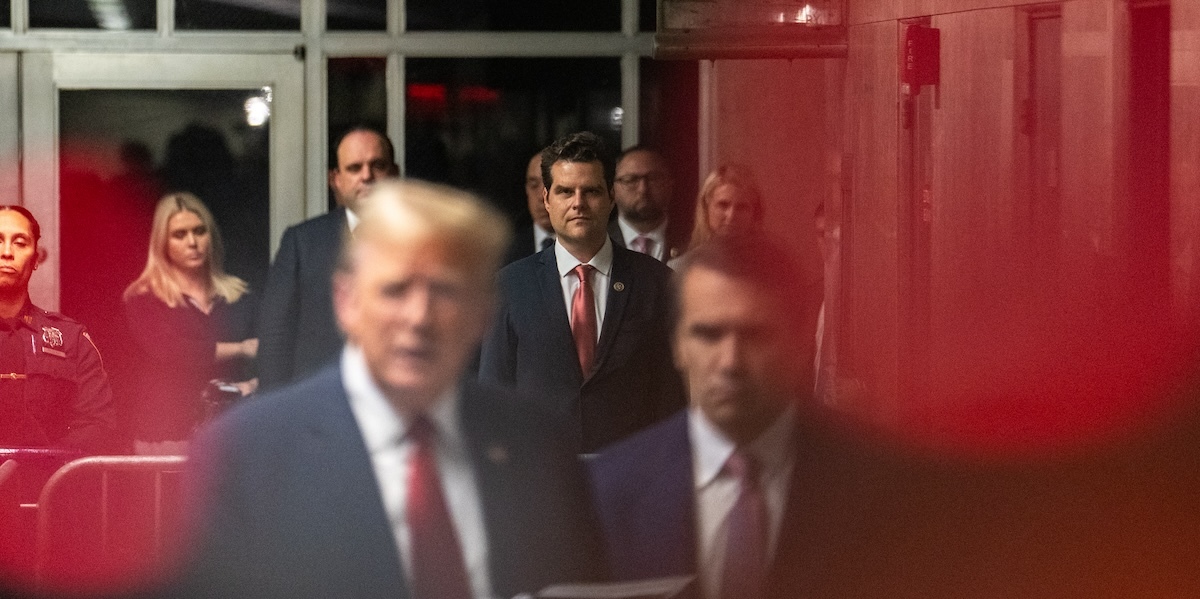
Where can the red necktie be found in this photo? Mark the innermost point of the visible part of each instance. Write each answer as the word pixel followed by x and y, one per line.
pixel 437 562
pixel 745 568
pixel 583 318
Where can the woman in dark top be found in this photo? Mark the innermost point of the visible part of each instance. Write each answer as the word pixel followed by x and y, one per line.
pixel 730 204
pixel 180 312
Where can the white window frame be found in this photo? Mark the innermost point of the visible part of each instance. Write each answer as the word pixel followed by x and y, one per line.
pixel 628 45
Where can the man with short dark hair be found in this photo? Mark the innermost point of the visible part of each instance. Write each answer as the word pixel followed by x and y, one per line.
pixel 54 391
pixel 390 474
pixel 742 489
pixel 581 324
pixel 644 192
pixel 295 327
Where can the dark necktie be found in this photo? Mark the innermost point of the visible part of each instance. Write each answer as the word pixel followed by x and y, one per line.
pixel 547 242
pixel 643 244
pixel 744 572
pixel 583 318
pixel 437 561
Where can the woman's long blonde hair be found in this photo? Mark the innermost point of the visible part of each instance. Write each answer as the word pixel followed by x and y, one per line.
pixel 736 175
pixel 159 276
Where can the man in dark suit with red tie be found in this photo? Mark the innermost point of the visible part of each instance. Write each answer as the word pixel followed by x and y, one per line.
pixel 582 325
pixel 389 474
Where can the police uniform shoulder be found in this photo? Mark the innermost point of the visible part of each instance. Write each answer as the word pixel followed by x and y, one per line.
pixel 54 318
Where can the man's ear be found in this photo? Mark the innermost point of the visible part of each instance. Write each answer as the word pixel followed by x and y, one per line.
pixel 42 254
pixel 332 175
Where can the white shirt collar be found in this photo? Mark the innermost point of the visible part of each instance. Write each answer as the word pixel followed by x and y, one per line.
pixel 628 233
pixel 711 448
pixel 382 426
pixel 602 261
pixel 539 234
pixel 351 220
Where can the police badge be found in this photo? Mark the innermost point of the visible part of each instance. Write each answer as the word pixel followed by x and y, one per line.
pixel 52 336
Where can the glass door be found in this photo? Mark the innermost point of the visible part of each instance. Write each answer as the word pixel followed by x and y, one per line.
pixel 107 134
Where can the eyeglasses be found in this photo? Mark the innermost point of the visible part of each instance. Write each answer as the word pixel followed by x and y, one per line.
pixel 632 181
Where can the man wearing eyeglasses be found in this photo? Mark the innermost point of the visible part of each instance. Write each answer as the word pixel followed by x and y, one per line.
pixel 643 193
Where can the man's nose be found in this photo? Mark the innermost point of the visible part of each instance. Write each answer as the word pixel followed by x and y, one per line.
pixel 731 355
pixel 419 305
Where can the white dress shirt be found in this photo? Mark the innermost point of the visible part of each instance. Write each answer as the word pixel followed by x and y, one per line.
pixel 717 491
pixel 384 432
pixel 540 234
pixel 351 220
pixel 658 236
pixel 602 262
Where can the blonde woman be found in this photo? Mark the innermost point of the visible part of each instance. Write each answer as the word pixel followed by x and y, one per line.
pixel 180 311
pixel 729 205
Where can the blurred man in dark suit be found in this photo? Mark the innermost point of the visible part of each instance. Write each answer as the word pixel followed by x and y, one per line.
pixel 389 474
pixel 739 488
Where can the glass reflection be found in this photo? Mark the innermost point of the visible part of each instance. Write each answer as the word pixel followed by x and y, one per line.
pixel 120 151
pixel 227 14
pixel 113 15
pixel 475 122
pixel 513 15
pixel 356 15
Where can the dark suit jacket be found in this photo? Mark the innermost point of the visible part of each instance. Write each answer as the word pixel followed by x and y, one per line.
pixel 677 239
pixel 297 334
pixel 633 382
pixel 522 244
pixel 644 493
pixel 292 508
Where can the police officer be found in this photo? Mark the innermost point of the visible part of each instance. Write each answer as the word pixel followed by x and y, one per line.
pixel 54 391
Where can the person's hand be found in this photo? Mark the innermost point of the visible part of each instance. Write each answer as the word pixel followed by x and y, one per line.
pixel 250 386
pixel 250 349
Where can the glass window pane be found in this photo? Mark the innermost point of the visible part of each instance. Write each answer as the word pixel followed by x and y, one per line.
pixel 475 122
pixel 647 15
pixel 224 14
pixel 669 112
pixel 120 151
pixel 5 14
pixel 117 15
pixel 513 15
pixel 357 95
pixel 356 15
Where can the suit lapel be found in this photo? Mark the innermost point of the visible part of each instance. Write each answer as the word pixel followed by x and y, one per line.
pixel 349 492
pixel 619 291
pixel 675 500
pixel 491 453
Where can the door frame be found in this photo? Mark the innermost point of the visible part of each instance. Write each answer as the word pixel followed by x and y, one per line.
pixel 44 74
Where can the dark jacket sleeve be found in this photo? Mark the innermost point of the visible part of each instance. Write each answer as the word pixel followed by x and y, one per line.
pixel 278 315
pixel 498 355
pixel 93 423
